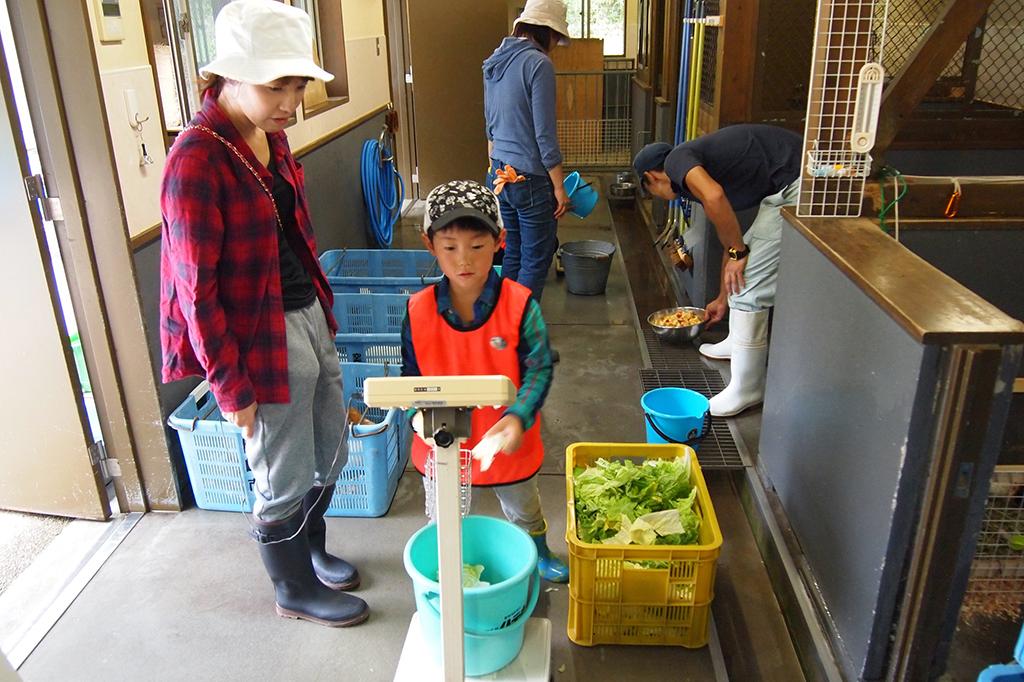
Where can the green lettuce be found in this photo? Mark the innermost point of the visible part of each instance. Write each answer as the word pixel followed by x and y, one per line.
pixel 619 502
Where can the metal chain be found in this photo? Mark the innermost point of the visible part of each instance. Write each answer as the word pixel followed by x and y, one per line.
pixel 245 161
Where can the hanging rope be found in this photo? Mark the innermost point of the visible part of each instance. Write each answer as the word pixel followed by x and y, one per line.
pixel 901 182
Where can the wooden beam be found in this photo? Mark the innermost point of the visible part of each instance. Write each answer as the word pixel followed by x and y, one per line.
pixel 927 197
pixel 934 51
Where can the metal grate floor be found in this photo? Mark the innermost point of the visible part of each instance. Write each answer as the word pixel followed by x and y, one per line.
pixel 670 356
pixel 718 448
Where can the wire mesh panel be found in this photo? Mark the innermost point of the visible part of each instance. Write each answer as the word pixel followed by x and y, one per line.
pixel 709 58
pixel 833 177
pixel 595 117
pixel 1000 77
pixel 996 585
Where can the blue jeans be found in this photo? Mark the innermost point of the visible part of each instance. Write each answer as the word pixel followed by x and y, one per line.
pixel 528 211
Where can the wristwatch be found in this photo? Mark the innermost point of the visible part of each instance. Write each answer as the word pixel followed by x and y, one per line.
pixel 739 255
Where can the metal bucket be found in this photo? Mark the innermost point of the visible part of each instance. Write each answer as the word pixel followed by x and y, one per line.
pixel 587 264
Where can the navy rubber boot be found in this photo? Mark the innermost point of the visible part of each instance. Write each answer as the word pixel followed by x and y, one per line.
pixel 284 549
pixel 332 571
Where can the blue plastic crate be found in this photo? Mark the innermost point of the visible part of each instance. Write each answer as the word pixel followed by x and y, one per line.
pixel 214 453
pixel 375 348
pixel 370 313
pixel 381 271
pixel 221 479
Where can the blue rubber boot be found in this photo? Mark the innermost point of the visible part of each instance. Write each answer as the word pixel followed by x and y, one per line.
pixel 551 568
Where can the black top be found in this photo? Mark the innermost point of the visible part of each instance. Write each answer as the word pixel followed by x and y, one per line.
pixel 296 285
pixel 750 161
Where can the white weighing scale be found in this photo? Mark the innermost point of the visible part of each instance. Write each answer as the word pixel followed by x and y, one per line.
pixel 446 404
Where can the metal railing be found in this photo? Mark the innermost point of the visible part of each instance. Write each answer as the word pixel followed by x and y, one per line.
pixel 594 115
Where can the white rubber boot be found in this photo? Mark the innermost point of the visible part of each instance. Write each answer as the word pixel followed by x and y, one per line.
pixel 749 334
pixel 721 350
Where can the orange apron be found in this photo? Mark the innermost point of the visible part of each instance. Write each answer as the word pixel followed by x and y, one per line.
pixel 489 349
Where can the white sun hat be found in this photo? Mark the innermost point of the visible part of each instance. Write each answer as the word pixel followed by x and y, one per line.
pixel 550 13
pixel 259 41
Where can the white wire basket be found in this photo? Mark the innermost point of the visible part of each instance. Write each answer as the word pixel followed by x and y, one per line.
pixel 465 482
pixel 837 164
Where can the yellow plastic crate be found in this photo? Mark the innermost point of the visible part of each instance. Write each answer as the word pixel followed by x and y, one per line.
pixel 612 603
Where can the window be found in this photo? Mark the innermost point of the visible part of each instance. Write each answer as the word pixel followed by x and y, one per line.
pixel 181 39
pixel 329 53
pixel 604 19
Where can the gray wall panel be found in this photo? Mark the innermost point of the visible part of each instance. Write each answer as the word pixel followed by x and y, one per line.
pixel 836 359
pixel 334 188
pixel 147 274
pixel 985 261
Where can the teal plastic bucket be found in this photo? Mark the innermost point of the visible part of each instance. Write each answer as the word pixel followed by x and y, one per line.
pixel 582 195
pixel 494 616
pixel 675 415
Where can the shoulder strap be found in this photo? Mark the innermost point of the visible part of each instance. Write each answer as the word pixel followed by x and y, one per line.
pixel 241 157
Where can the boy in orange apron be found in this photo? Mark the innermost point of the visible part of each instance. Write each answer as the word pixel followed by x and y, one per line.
pixel 473 322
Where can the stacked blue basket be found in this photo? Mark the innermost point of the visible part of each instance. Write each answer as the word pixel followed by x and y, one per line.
pixel 370 327
pixel 379 271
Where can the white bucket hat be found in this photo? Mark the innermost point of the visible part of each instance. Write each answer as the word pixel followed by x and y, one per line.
pixel 259 41
pixel 550 13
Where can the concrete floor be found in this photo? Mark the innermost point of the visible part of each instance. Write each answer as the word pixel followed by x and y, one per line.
pixel 22 538
pixel 185 597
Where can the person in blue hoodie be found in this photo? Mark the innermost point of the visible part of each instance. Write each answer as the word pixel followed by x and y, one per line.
pixel 525 159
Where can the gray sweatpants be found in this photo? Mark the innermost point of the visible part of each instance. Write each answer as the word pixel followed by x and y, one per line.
pixel 299 444
pixel 521 504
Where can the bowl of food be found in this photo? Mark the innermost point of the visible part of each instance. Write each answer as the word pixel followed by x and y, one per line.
pixel 677 325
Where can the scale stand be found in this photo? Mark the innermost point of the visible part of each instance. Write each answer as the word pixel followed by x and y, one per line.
pixel 446 404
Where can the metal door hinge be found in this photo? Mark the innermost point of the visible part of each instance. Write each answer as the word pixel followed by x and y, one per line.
pixel 109 466
pixel 49 207
pixel 416 175
pixel 408 77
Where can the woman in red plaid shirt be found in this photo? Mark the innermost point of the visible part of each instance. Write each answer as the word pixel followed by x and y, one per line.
pixel 245 304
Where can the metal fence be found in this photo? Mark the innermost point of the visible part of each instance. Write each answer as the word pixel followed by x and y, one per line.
pixel 988 70
pixel 594 115
pixel 996 586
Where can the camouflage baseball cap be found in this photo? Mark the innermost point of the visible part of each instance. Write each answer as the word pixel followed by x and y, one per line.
pixel 461 200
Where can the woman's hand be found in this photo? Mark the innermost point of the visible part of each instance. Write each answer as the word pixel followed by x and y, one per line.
pixel 244 419
pixel 716 311
pixel 510 430
pixel 561 201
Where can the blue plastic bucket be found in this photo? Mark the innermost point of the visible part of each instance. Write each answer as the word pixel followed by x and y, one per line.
pixel 494 615
pixel 675 415
pixel 582 195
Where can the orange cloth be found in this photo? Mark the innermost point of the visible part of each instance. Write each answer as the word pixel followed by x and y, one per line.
pixel 505 176
pixel 489 349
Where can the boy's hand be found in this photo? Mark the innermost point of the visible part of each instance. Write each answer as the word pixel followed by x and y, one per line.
pixel 510 430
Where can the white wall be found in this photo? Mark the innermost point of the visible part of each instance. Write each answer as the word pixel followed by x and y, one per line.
pixel 124 66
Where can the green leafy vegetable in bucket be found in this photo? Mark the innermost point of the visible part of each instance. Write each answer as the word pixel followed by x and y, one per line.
pixel 471 574
pixel 625 504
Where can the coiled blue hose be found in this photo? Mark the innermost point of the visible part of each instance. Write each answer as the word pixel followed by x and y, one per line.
pixel 383 190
